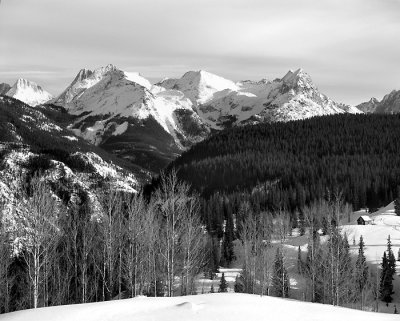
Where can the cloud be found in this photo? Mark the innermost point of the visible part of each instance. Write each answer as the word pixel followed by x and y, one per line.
pixel 349 48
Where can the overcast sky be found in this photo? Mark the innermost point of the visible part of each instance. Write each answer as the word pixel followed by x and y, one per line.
pixel 350 48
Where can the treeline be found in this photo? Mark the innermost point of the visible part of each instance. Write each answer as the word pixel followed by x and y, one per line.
pixel 332 275
pixel 290 165
pixel 121 246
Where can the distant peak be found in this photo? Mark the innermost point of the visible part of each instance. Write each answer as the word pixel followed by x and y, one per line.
pixel 110 67
pixel 105 70
pixel 24 83
pixel 298 78
pixel 29 92
pixel 83 74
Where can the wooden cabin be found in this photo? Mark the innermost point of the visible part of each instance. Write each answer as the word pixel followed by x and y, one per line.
pixel 364 220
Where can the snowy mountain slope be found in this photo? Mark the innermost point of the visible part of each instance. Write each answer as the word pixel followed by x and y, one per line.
pixel 109 102
pixel 218 306
pixel 29 93
pixel 369 106
pixel 199 86
pixel 291 98
pixel 390 104
pixel 30 143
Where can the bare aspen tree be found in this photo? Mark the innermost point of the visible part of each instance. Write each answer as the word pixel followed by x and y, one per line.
pixel 111 202
pixel 173 203
pixel 264 234
pixel 282 225
pixel 311 221
pixel 168 202
pixel 5 262
pixel 248 236
pixel 135 231
pixel 256 232
pixel 152 240
pixel 87 230
pixel 193 245
pixel 38 233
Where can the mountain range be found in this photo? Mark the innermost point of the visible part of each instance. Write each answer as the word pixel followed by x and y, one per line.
pixel 390 104
pixel 151 124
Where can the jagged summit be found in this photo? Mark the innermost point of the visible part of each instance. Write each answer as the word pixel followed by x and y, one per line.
pixel 87 78
pixel 83 74
pixel 29 92
pixel 298 78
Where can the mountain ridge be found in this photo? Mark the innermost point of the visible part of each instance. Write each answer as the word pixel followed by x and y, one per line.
pixel 111 106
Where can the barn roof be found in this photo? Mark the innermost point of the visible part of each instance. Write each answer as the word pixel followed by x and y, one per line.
pixel 366 218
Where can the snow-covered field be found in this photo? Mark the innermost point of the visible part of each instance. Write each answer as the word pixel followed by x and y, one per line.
pixel 384 223
pixel 217 306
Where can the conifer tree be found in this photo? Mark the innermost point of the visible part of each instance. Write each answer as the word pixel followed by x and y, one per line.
pixel 397 206
pixel 361 271
pixel 223 285
pixel 228 254
pixel 391 258
pixel 299 261
pixel 386 281
pixel 239 284
pixel 280 278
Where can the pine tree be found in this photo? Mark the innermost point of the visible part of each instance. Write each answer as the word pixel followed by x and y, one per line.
pixel 228 254
pixel 223 285
pixel 391 258
pixel 280 278
pixel 397 206
pixel 299 261
pixel 386 281
pixel 301 224
pixel 239 284
pixel 361 270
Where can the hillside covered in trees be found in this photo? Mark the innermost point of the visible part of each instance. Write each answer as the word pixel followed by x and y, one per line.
pixel 289 165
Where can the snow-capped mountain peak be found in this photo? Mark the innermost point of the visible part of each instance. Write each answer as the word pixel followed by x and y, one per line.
pixel 86 79
pixel 83 74
pixel 29 92
pixel 199 86
pixel 298 79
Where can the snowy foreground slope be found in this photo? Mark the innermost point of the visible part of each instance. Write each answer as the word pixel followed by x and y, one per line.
pixel 218 306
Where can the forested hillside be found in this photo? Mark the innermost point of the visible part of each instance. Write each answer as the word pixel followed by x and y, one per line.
pixel 289 165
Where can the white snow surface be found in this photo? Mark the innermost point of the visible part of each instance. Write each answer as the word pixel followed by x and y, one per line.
pixel 384 223
pixel 29 92
pixel 217 306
